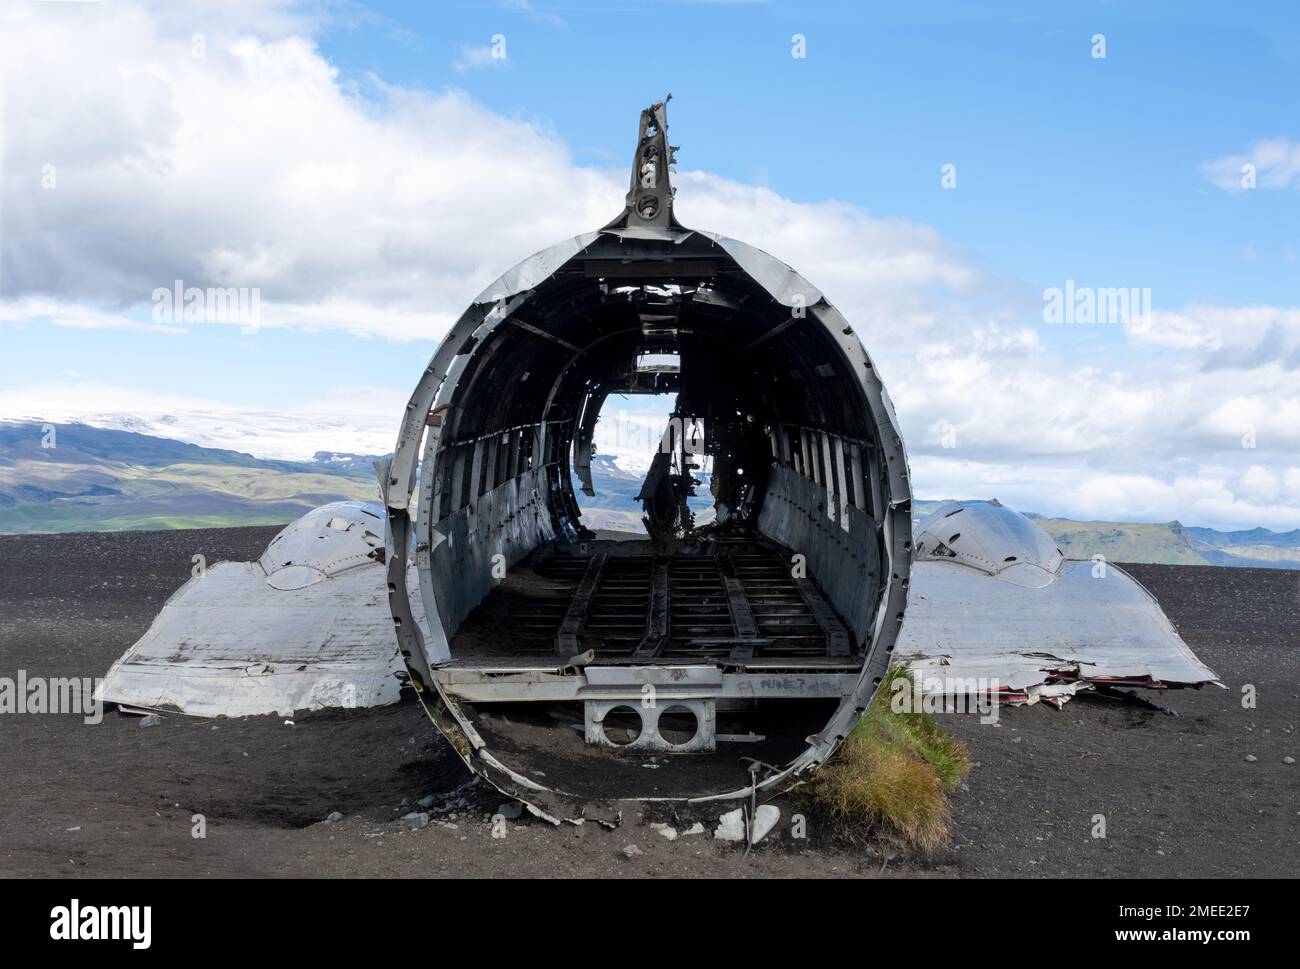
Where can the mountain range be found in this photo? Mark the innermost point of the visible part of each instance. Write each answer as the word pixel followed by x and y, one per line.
pixel 74 477
pixel 77 477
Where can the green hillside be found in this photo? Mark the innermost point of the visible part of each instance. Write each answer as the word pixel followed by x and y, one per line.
pixel 1161 544
pixel 94 479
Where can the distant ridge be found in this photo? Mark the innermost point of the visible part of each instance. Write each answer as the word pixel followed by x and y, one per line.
pixel 108 479
pixel 1167 543
pixel 101 479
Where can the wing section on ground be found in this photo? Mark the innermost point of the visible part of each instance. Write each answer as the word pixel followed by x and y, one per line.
pixel 995 607
pixel 306 627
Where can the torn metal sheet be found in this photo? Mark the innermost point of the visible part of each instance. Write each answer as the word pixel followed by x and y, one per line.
pixel 995 606
pixel 304 628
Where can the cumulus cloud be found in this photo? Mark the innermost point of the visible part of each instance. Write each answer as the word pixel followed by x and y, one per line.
pixel 371 208
pixel 1273 163
pixel 474 56
pixel 1235 337
pixel 533 13
pixel 358 420
pixel 135 158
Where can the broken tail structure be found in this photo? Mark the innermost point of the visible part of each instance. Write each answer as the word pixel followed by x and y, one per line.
pixel 651 194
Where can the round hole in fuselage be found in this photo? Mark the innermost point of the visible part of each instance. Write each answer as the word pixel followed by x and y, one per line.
pixel 678 725
pixel 622 726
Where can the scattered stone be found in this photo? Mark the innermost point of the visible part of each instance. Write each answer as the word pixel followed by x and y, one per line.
pixel 731 826
pixel 511 810
pixel 765 819
pixel 77 828
pixel 1288 760
pixel 333 817
pixel 695 828
pixel 1251 758
pixel 664 830
pixel 426 802
pixel 289 723
pixel 632 851
pixel 150 721
pixel 416 820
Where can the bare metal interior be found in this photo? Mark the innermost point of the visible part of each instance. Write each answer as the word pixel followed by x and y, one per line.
pixel 776 620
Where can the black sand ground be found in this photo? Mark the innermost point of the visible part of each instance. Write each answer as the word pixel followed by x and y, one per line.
pixel 1178 796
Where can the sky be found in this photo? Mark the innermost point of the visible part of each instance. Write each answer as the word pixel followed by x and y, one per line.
pixel 939 170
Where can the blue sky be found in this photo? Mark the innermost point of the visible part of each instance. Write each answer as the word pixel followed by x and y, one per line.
pixel 1066 164
pixel 230 170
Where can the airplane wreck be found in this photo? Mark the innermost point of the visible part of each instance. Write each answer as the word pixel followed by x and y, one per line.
pixel 694 663
pixel 681 643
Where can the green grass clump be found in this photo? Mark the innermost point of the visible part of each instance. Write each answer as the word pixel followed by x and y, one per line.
pixel 892 774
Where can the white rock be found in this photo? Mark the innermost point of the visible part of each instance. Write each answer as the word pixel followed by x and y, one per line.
pixel 731 826
pixel 695 828
pixel 765 819
pixel 665 831
pixel 632 851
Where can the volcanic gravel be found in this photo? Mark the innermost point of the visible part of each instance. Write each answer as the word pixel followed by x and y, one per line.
pixel 1171 783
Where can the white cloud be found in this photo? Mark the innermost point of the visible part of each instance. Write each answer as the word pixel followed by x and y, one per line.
pixel 383 211
pixel 374 209
pixel 77 317
pixel 1275 163
pixel 359 420
pixel 540 16
pixel 1237 337
pixel 475 56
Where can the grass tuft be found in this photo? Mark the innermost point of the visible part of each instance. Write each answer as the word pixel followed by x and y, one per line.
pixel 892 774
